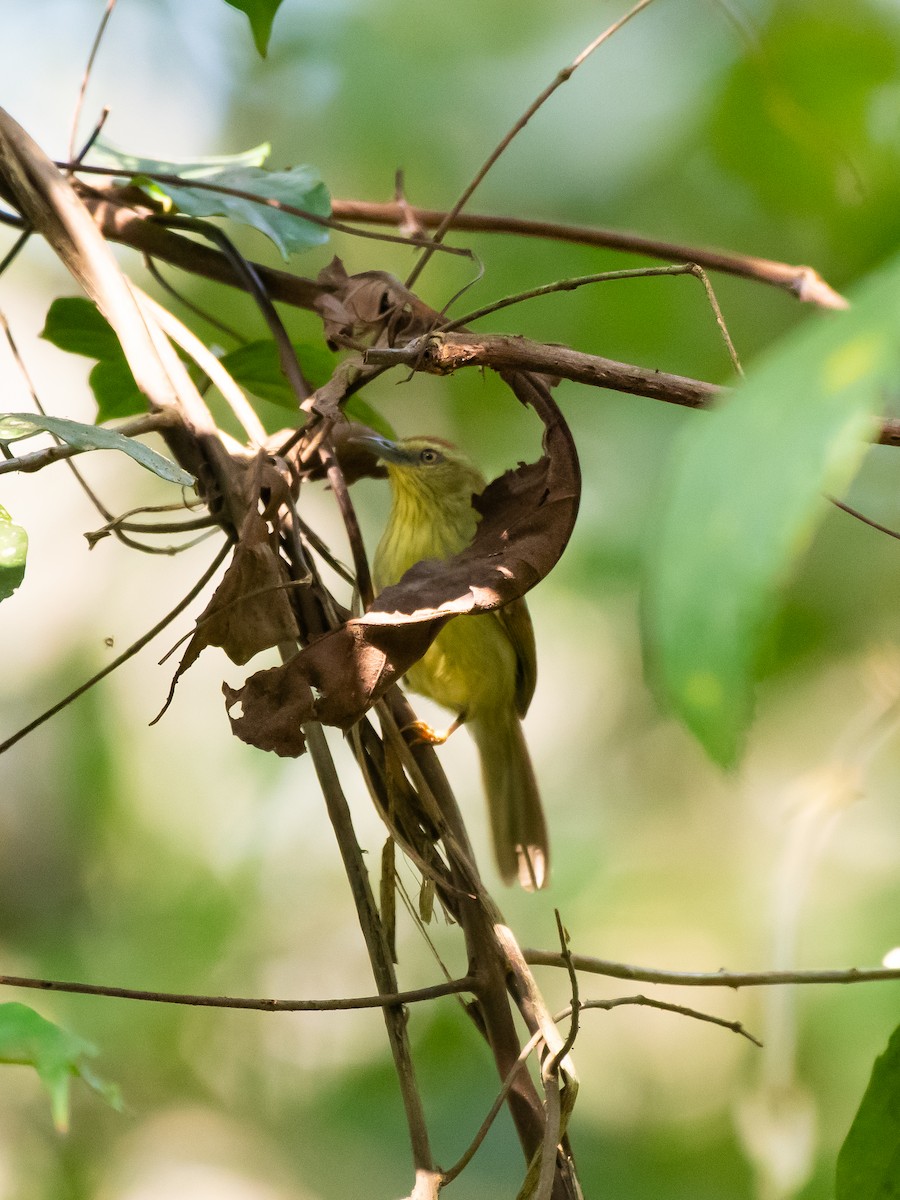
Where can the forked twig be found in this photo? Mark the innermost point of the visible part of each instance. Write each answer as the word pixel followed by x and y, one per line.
pixel 531 1045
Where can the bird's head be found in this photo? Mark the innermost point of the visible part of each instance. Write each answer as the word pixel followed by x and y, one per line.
pixel 427 467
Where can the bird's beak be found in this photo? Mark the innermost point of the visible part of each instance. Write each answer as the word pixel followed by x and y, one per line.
pixel 386 450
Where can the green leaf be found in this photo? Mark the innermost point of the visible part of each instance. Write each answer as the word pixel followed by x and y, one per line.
pixel 257 368
pixel 16 426
pixel 301 187
pixel 197 168
pixel 746 496
pixel 868 1165
pixel 13 549
pixel 28 1039
pixel 261 14
pixel 76 325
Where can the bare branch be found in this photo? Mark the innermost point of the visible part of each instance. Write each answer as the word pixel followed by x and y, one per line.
pixel 732 979
pixel 38 459
pixel 442 354
pixel 803 282
pixel 123 658
pixel 451 987
pixel 373 933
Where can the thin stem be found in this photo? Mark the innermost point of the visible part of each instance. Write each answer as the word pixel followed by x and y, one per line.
pixel 567 1045
pixel 664 1006
pixel 98 38
pixel 451 987
pixel 351 524
pixel 531 1045
pixel 196 309
pixel 562 285
pixel 124 657
pixel 564 75
pixel 267 202
pixel 732 979
pixel 854 512
pixel 373 933
pixel 802 282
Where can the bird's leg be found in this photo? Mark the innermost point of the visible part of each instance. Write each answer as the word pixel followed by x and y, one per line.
pixel 422 732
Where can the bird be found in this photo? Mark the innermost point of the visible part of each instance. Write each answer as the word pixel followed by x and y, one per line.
pixel 483 667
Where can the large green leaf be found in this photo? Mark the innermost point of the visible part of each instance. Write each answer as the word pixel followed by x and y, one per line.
pixel 301 187
pixel 13 549
pixel 29 1039
pixel 76 324
pixel 261 14
pixel 745 497
pixel 16 426
pixel 868 1165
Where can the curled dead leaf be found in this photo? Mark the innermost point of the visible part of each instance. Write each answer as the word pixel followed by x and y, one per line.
pixel 527 518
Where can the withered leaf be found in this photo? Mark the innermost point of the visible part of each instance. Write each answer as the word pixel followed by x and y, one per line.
pixel 250 610
pixel 527 517
pixel 360 309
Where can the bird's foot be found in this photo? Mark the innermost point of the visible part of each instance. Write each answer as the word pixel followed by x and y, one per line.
pixel 421 733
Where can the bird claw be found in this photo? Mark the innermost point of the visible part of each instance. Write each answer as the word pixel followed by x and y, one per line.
pixel 420 733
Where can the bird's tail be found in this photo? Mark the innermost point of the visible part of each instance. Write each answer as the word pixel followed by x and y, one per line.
pixel 521 844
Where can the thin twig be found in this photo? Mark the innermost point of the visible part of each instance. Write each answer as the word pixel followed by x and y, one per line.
pixel 665 1006
pixel 415 996
pixel 98 37
pixel 493 1112
pixel 351 523
pixel 373 933
pixel 15 250
pixel 552 1134
pixel 697 271
pixel 196 309
pixel 563 285
pixel 569 285
pixel 854 512
pixel 266 201
pixel 528 1049
pixel 732 979
pixel 124 657
pixel 255 285
pixel 802 282
pixel 564 75
pixel 575 1005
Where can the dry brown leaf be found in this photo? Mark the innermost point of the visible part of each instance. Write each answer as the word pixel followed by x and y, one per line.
pixel 527 517
pixel 250 610
pixel 372 306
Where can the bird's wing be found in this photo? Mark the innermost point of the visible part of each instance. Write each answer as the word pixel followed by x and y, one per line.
pixel 516 622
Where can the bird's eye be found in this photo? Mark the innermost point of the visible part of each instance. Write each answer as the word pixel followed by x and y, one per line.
pixel 429 456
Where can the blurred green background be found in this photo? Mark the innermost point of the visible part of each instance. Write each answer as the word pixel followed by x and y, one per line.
pixel 176 858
